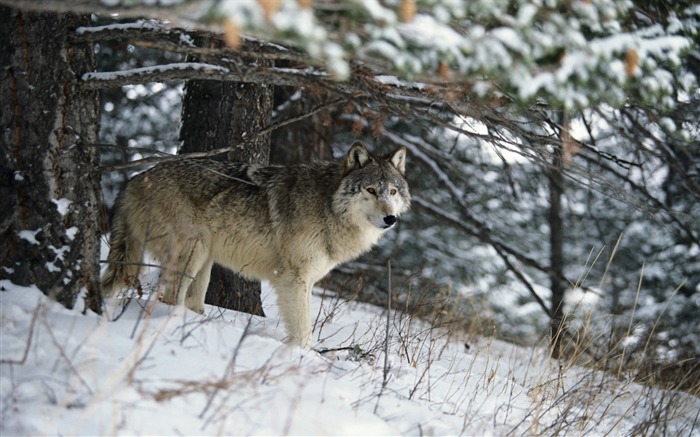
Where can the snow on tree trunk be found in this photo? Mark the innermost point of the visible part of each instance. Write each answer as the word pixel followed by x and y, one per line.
pixel 218 114
pixel 49 182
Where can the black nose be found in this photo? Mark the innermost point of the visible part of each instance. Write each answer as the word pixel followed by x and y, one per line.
pixel 390 220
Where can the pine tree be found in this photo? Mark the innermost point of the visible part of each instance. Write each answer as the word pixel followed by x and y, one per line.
pixel 51 219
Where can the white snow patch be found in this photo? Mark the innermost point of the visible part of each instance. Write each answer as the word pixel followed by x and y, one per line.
pixel 29 236
pixel 62 205
pixel 51 267
pixel 140 24
pixel 378 12
pixel 167 371
pixel 426 31
pixel 72 232
pixel 59 251
pixel 146 368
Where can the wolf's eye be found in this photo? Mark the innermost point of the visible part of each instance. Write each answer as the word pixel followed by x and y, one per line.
pixel 393 192
pixel 372 191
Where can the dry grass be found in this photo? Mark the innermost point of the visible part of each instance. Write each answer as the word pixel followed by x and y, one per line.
pixel 582 392
pixel 595 389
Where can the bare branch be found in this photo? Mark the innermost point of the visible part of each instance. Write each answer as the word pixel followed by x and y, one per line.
pixel 172 39
pixel 222 150
pixel 454 221
pixel 30 336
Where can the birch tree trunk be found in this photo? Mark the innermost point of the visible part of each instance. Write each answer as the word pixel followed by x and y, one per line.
pixel 49 181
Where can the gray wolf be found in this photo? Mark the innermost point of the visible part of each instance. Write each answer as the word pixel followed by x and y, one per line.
pixel 288 224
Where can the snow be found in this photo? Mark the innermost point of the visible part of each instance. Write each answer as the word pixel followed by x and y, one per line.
pixel 59 251
pixel 62 205
pixel 378 12
pixel 146 368
pixel 511 45
pixel 71 232
pixel 425 31
pixel 51 267
pixel 139 24
pixel 111 75
pixel 29 236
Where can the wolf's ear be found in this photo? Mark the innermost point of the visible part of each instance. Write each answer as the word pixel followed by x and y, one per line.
pixel 398 159
pixel 357 157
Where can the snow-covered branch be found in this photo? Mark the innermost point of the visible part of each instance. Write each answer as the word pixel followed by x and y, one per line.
pixel 198 71
pixel 158 10
pixel 220 151
pixel 154 35
pixel 567 54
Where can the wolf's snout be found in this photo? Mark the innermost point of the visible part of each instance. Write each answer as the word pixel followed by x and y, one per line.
pixel 390 220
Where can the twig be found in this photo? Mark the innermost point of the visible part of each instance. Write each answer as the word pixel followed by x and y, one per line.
pixel 140 264
pixel 629 327
pixel 335 349
pixel 62 352
pixel 388 325
pixel 386 339
pixel 318 315
pixel 141 315
pixel 222 150
pixel 229 368
pixel 30 336
pixel 499 247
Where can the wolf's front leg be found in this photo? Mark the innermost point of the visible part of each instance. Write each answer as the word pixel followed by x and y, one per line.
pixel 293 297
pixel 198 290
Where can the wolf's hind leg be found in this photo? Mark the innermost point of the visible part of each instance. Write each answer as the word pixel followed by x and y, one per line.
pixel 198 290
pixel 187 266
pixel 294 302
pixel 125 255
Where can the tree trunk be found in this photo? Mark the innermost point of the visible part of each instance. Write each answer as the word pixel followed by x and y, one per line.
pixel 217 114
pixel 307 139
pixel 556 241
pixel 49 182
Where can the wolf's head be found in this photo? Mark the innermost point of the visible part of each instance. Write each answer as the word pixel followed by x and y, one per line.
pixel 374 187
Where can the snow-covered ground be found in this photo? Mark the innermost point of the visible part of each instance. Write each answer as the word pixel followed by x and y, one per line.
pixel 163 370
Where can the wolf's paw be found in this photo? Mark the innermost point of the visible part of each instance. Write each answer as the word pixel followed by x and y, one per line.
pixel 167 300
pixel 199 309
pixel 303 341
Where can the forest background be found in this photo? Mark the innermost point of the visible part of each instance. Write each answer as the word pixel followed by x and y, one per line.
pixel 554 149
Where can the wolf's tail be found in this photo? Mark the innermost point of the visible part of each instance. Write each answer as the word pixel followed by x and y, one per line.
pixel 124 254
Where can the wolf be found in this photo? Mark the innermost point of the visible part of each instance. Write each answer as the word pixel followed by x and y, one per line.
pixel 290 225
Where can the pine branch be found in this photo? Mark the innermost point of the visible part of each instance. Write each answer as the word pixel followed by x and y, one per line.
pixel 199 71
pixel 150 35
pixel 136 9
pixel 459 224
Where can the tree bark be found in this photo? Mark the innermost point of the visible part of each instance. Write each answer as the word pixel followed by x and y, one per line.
pixel 307 139
pixel 216 114
pixel 49 183
pixel 556 242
